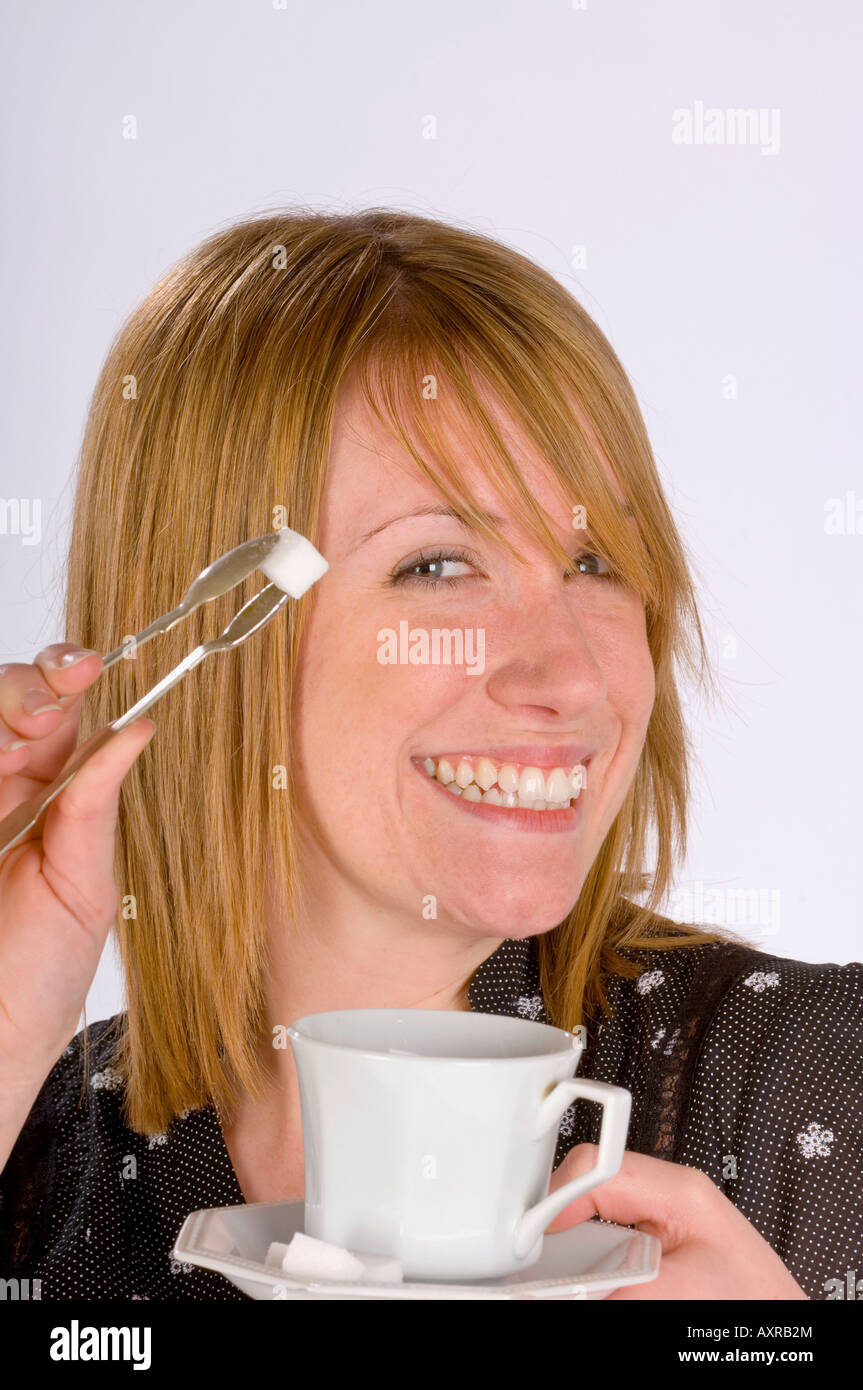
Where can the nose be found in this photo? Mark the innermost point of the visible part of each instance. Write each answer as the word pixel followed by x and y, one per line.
pixel 540 661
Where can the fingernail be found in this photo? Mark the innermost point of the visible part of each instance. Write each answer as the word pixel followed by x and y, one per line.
pixel 70 658
pixel 37 702
pixel 11 747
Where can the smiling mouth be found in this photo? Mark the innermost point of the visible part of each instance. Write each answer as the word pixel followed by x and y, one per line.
pixel 510 786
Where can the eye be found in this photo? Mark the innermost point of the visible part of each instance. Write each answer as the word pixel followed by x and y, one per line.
pixel 429 571
pixel 591 565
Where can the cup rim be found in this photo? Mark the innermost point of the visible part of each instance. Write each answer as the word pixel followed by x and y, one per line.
pixel 573 1044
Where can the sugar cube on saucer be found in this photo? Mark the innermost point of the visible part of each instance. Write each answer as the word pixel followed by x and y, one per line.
pixel 305 1257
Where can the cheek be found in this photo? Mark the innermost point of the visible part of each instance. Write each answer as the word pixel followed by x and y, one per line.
pixel 339 697
pixel 640 688
pixel 630 675
pixel 354 710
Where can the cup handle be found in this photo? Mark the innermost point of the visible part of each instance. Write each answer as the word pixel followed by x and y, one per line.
pixel 616 1104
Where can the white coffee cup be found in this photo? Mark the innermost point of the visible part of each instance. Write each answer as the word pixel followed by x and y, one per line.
pixel 430 1134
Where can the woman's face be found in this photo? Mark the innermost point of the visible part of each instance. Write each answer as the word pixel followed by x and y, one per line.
pixel 555 672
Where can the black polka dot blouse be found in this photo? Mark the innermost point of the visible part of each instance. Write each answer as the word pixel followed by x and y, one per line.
pixel 745 1065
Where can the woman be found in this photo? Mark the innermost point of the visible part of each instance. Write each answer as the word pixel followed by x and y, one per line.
pixel 328 818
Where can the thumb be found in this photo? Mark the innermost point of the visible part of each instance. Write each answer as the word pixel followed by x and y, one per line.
pixel 651 1193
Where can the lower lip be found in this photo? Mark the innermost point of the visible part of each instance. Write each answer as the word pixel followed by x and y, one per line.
pixel 514 817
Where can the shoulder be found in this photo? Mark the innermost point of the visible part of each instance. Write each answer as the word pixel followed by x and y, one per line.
pixel 785 1037
pixel 737 974
pixel 63 1104
pixel 793 1009
pixel 786 980
pixel 91 1052
pixel 733 997
pixel 673 978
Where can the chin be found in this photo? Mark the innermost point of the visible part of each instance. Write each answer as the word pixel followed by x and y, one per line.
pixel 523 913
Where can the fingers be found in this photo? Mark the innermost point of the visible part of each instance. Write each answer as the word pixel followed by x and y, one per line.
pixel 61 665
pixel 78 828
pixel 40 708
pixel 664 1199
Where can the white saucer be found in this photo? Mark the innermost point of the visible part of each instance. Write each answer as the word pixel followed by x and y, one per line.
pixel 586 1262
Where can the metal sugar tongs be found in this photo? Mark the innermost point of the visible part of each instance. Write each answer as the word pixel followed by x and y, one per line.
pixel 217 579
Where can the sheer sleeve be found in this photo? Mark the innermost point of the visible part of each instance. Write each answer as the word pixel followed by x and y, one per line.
pixel 779 1090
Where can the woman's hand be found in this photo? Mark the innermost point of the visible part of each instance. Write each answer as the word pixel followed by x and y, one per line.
pixel 58 896
pixel 709 1249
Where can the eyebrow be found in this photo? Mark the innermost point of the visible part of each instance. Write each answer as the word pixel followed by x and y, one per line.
pixel 440 509
pixel 433 510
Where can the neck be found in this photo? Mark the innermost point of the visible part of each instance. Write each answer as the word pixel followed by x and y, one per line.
pixel 369 964
pixel 352 955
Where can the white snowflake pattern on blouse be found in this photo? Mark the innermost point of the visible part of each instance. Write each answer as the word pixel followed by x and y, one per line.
pixel 762 979
pixel 649 980
pixel 666 1051
pixel 567 1123
pixel 154 1139
pixel 657 1038
pixel 529 1005
pixel 815 1141
pixel 107 1080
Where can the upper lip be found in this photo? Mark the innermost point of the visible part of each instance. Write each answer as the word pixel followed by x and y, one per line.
pixel 529 754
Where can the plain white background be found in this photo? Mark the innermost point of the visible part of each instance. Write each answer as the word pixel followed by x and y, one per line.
pixel 724 271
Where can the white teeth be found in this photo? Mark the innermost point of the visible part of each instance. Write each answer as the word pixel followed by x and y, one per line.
pixel 558 786
pixel 486 774
pixel 507 778
pixel 531 785
pixel 464 773
pixel 531 789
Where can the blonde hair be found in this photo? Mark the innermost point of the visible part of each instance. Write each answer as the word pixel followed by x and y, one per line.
pixel 213 409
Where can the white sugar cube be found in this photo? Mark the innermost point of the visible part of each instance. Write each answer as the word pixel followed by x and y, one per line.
pixel 275 1254
pixel 293 564
pixel 306 1257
